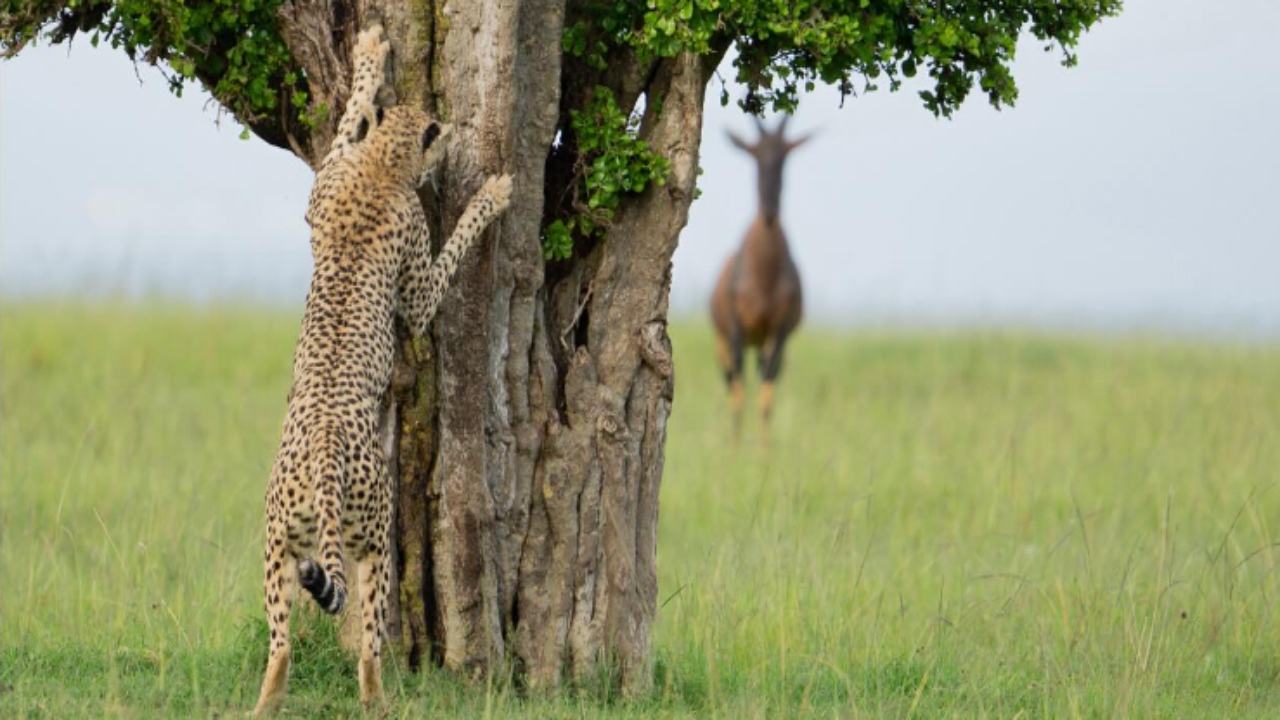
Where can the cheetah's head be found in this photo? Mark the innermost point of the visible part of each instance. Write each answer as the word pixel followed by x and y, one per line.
pixel 408 143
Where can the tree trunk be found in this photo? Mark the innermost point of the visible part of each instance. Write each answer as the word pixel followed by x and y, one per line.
pixel 530 424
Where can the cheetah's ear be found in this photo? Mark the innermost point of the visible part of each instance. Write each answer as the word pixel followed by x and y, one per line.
pixel 430 134
pixel 362 130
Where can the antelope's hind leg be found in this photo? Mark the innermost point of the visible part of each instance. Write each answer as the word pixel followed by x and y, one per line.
pixel 729 352
pixel 770 368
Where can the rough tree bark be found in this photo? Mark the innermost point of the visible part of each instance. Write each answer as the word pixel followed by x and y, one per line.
pixel 530 425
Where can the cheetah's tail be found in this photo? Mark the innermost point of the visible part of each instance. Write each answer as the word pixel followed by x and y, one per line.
pixel 325 580
pixel 329 596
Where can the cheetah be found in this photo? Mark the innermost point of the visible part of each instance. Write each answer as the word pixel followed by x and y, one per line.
pixel 329 492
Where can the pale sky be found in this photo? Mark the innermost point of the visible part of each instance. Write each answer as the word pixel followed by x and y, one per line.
pixel 1138 190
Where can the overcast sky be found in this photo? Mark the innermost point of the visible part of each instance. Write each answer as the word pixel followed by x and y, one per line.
pixel 1140 189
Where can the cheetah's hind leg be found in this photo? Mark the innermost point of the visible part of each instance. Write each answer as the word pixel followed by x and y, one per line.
pixel 279 584
pixel 374 572
pixel 373 563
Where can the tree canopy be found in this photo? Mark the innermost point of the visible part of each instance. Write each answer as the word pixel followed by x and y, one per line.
pixel 240 51
pixel 235 49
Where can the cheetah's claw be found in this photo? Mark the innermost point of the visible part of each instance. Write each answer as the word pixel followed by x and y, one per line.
pixel 370 42
pixel 498 188
pixel 371 49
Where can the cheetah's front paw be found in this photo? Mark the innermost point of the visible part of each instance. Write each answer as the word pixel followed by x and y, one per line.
pixel 370 44
pixel 498 188
pixel 370 57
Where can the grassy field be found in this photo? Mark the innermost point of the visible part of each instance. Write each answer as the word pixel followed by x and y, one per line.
pixel 968 525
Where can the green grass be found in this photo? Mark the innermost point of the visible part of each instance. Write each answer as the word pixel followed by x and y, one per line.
pixel 946 525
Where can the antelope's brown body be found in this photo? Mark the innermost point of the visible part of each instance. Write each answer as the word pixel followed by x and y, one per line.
pixel 758 300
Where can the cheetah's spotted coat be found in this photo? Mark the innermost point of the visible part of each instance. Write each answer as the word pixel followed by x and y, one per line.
pixel 329 491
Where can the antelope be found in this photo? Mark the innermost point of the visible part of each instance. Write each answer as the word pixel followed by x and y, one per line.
pixel 758 300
